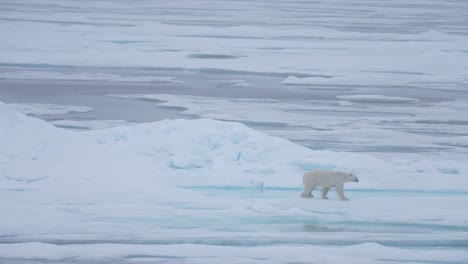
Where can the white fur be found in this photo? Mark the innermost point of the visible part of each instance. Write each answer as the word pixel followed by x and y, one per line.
pixel 327 180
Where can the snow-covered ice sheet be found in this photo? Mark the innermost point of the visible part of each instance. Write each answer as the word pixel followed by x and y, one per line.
pixel 205 190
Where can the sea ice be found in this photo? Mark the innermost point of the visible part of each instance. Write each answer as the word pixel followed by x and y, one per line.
pixel 67 75
pixel 232 83
pixel 377 99
pixel 415 44
pixel 88 124
pixel 188 190
pixel 379 127
pixel 48 109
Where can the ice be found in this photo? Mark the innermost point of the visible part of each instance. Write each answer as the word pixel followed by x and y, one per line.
pixel 292 80
pixel 387 125
pixel 363 86
pixel 69 75
pixel 88 124
pixel 381 79
pixel 377 99
pixel 232 83
pixel 364 253
pixel 402 43
pixel 52 110
pixel 212 56
pixel 48 109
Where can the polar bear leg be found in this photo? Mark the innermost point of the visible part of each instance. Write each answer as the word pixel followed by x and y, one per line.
pixel 325 192
pixel 307 192
pixel 340 192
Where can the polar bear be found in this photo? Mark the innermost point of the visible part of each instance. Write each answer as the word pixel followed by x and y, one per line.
pixel 326 179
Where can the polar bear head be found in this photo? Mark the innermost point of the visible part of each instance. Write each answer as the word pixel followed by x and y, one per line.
pixel 351 177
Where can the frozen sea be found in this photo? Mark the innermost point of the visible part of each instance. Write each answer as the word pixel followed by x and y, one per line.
pixel 178 131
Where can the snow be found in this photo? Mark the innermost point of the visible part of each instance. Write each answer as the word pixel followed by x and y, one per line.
pixel 113 189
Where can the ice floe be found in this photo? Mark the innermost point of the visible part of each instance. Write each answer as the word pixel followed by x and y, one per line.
pixel 377 99
pixel 88 124
pixel 87 76
pixel 48 109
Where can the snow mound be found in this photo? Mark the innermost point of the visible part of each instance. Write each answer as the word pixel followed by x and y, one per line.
pixel 132 162
pixel 207 151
